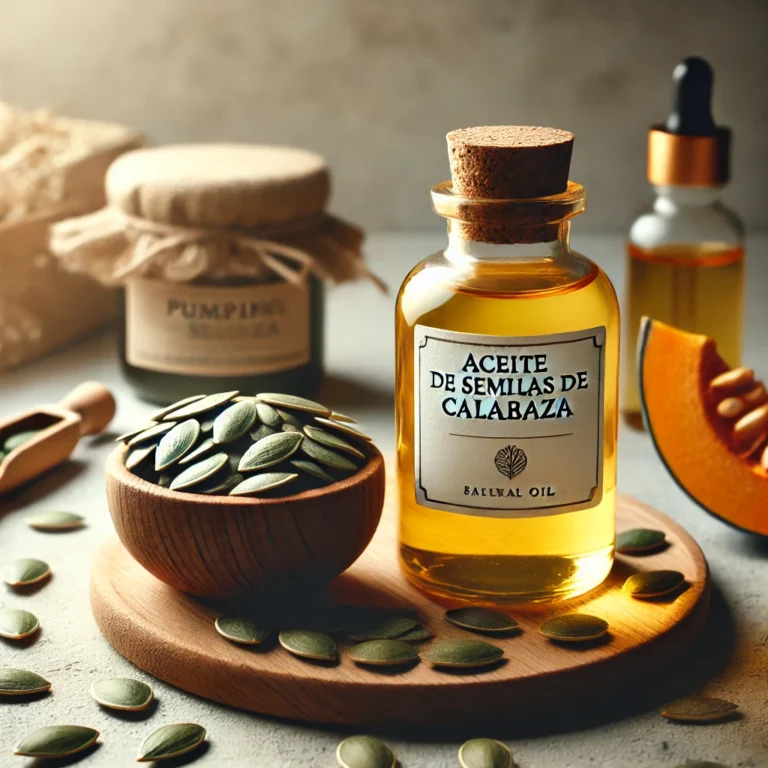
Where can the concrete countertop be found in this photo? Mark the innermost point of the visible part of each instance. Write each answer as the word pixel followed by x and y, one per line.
pixel 729 660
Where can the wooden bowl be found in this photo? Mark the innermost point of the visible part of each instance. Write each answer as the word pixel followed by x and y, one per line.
pixel 229 547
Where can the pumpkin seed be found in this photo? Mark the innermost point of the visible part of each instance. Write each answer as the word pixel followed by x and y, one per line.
pixel 326 456
pixel 382 653
pixel 481 619
pixel 243 631
pixel 26 571
pixel 56 741
pixel 332 441
pixel 269 416
pixel 207 403
pixel 164 481
pixel 416 635
pixel 171 741
pixel 176 443
pixel 3 454
pixel 269 451
pixel 698 709
pixel 651 584
pixel 207 426
pixel 335 416
pixel 14 441
pixel 201 450
pixel 163 412
pixel 640 541
pixel 199 472
pixel 222 487
pixel 266 481
pixel 129 435
pixel 234 422
pixel 574 627
pixel 462 654
pixel 152 433
pixel 262 431
pixel 53 520
pixel 137 455
pixel 291 428
pixel 484 753
pixel 122 693
pixel 21 682
pixel 16 624
pixel 343 428
pixel 305 465
pixel 290 419
pixel 384 628
pixel 364 752
pixel 308 644
pixel 294 403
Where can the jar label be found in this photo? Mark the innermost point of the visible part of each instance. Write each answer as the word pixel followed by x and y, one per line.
pixel 202 330
pixel 509 426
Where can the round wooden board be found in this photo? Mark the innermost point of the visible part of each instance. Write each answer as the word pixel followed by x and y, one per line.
pixel 171 636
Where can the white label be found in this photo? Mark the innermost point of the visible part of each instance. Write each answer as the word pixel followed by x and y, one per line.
pixel 509 427
pixel 213 331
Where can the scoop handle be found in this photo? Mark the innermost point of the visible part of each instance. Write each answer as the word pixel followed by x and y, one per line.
pixel 94 403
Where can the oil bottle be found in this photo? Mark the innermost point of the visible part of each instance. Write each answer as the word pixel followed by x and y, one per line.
pixel 507 367
pixel 685 255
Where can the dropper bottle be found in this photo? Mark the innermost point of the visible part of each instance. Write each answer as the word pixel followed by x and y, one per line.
pixel 685 255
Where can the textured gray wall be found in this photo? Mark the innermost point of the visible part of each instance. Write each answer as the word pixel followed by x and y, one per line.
pixel 375 84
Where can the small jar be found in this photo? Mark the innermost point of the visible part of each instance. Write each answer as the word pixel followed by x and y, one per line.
pixel 222 251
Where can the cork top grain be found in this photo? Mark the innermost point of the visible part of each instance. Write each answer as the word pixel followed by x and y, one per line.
pixel 509 162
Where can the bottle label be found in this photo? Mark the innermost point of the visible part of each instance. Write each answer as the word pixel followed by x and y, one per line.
pixel 202 330
pixel 509 426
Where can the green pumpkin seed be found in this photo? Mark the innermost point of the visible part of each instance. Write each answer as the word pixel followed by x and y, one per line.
pixel 16 624
pixel 130 435
pixel 14 441
pixel 383 653
pixel 640 541
pixel 269 416
pixel 26 571
pixel 698 709
pixel 139 454
pixel 290 419
pixel 481 619
pixel 462 654
pixel 262 431
pixel 385 628
pixel 332 441
pixel 234 422
pixel 343 428
pixel 574 628
pixel 305 465
pixel 207 426
pixel 176 443
pixel 653 584
pixel 309 645
pixel 122 693
pixel 335 416
pixel 199 472
pixel 53 520
pixel 196 454
pixel 291 428
pixel 266 481
pixel 163 412
pixel 164 481
pixel 484 753
pixel 243 631
pixel 364 752
pixel 20 682
pixel 56 741
pixel 171 741
pixel 216 486
pixel 153 433
pixel 207 403
pixel 3 454
pixel 327 456
pixel 416 635
pixel 294 403
pixel 269 451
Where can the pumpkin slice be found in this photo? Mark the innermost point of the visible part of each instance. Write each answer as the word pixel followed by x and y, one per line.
pixel 708 422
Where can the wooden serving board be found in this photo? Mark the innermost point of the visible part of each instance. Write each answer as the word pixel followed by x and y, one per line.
pixel 171 636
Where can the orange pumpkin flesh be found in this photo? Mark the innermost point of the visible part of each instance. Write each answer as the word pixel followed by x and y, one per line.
pixel 693 441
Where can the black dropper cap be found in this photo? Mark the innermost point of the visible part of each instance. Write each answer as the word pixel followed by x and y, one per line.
pixel 691 114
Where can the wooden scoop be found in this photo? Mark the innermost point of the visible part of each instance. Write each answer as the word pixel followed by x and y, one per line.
pixel 86 410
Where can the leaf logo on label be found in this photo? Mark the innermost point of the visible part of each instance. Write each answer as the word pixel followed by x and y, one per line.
pixel 511 461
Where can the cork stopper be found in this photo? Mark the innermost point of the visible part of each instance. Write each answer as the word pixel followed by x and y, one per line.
pixel 509 162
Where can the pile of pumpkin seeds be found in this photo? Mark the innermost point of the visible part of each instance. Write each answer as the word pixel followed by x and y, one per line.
pixel 230 444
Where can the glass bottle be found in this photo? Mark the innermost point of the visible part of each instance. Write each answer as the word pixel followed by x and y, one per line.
pixel 685 255
pixel 506 507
